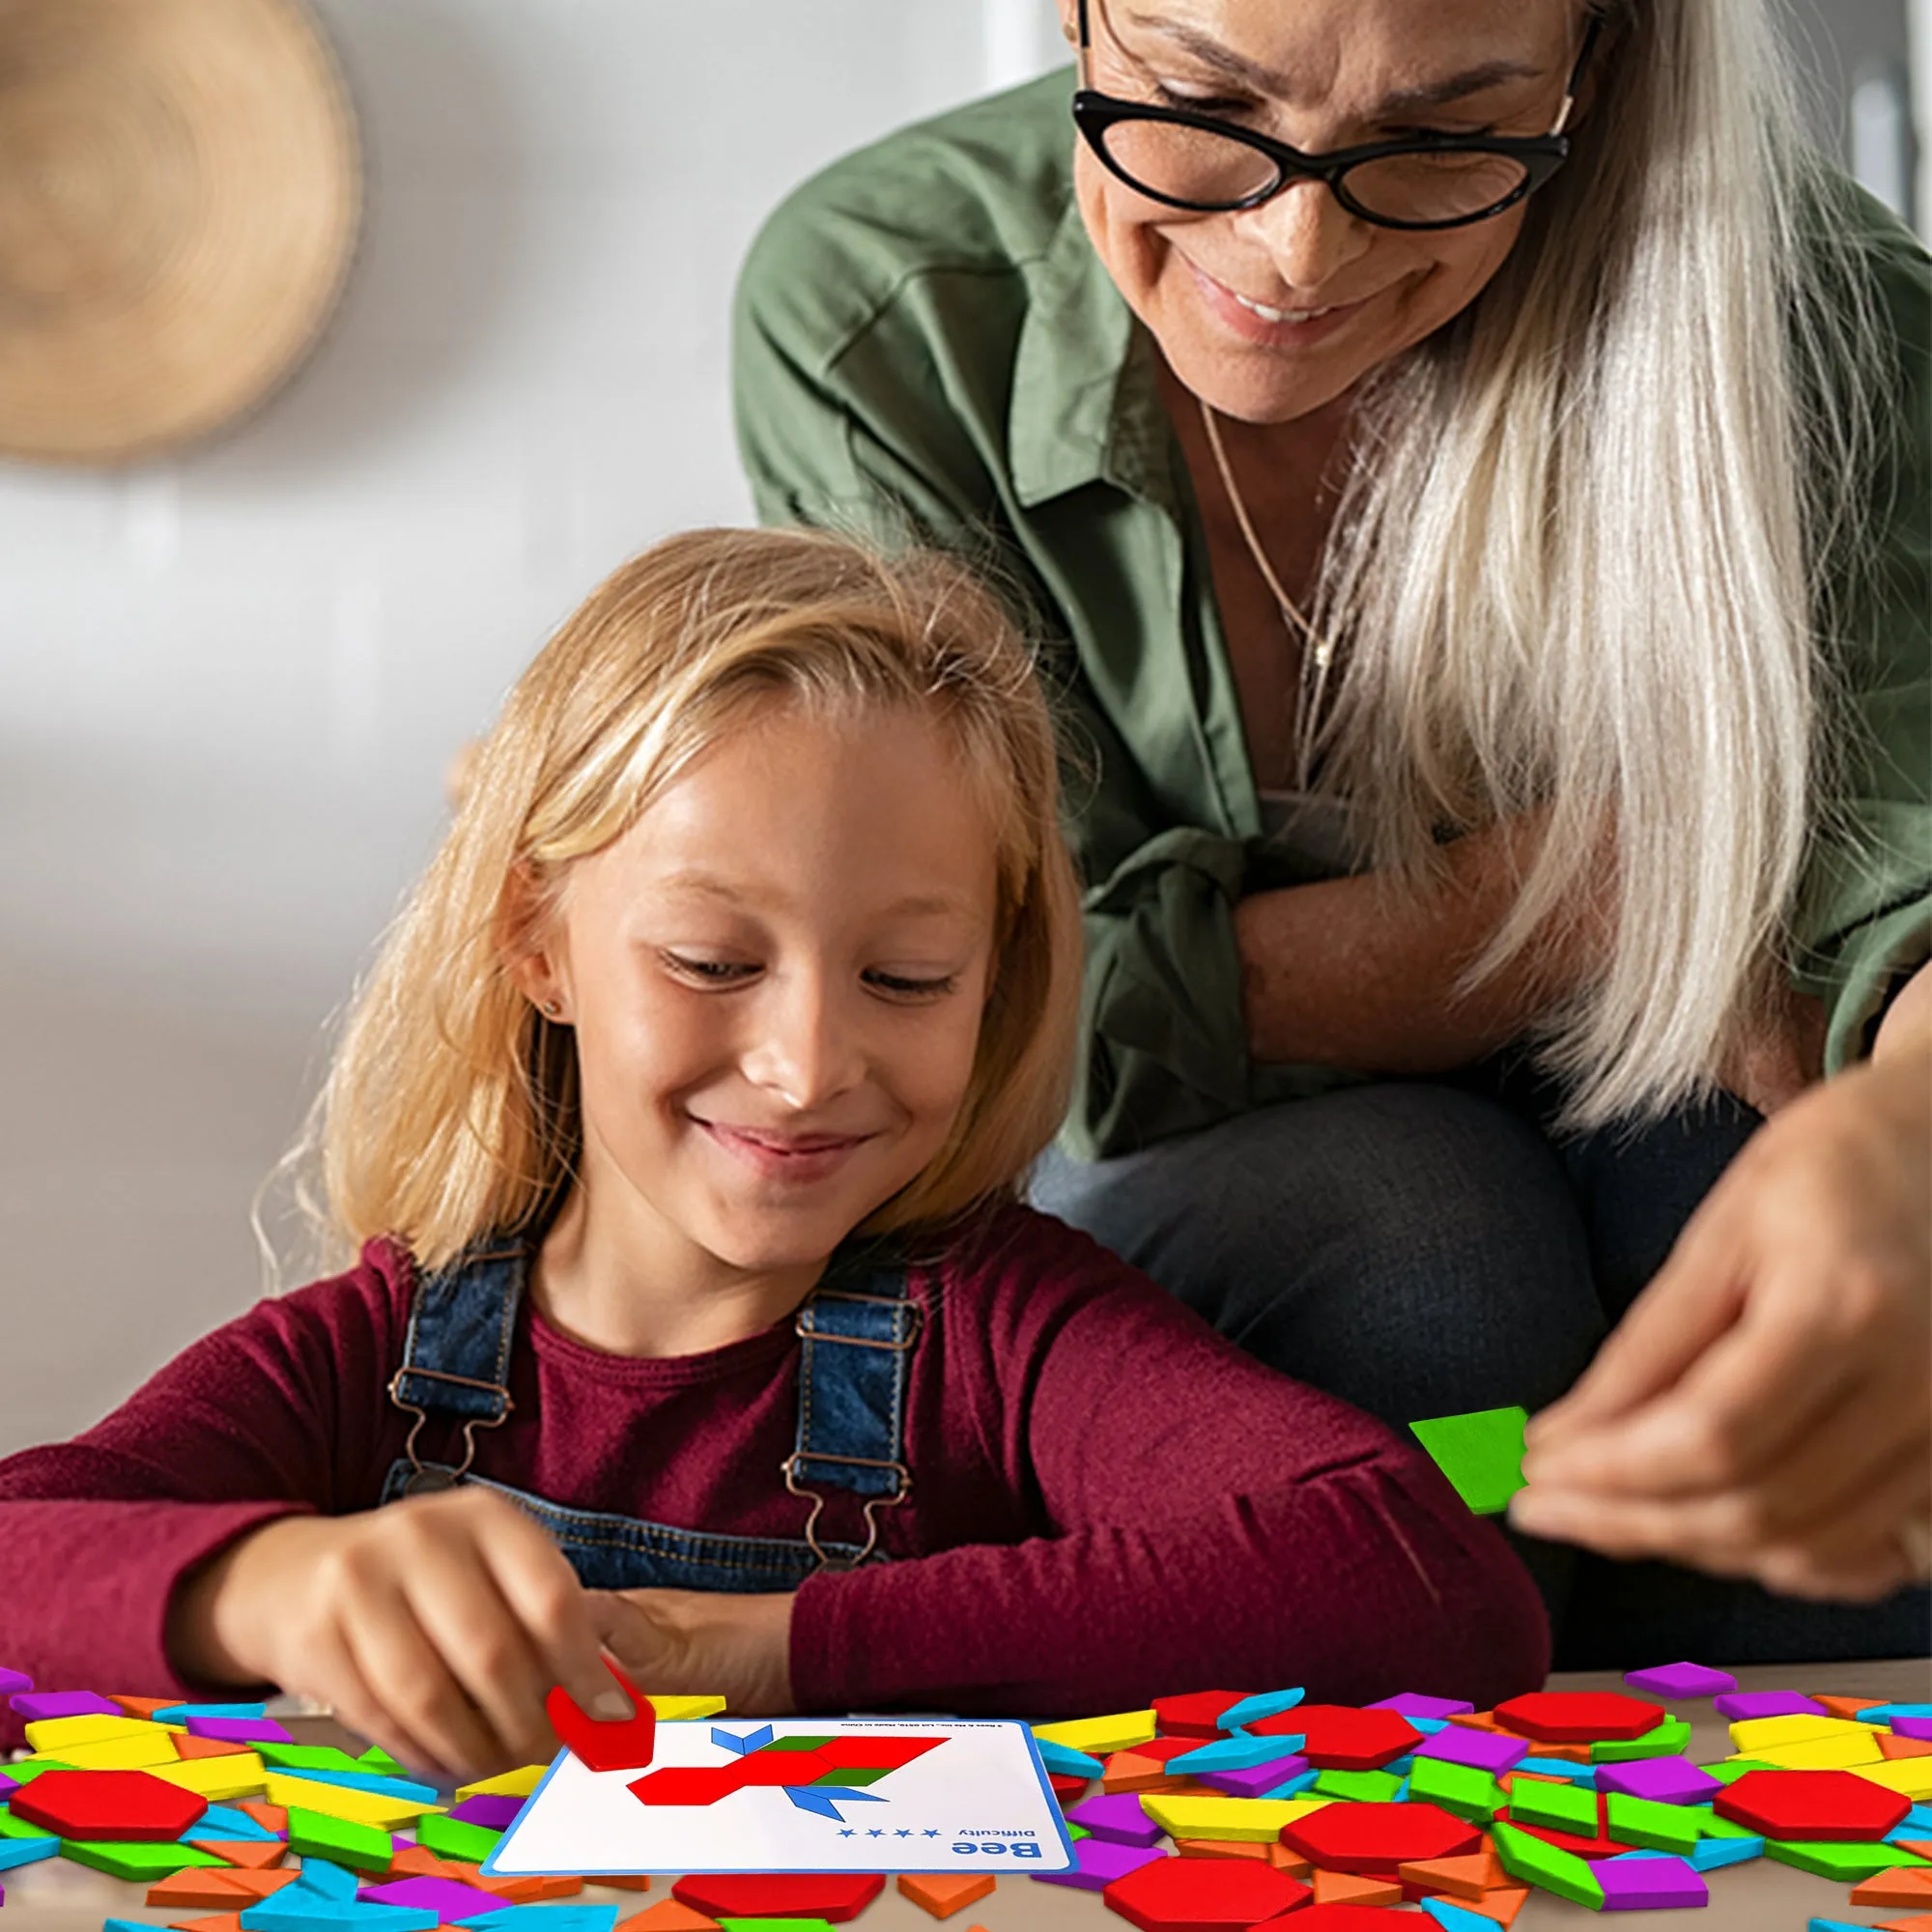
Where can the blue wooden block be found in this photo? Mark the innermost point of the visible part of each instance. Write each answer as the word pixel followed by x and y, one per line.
pixel 328 1880
pixel 1252 1710
pixel 549 1918
pixel 27 1851
pixel 295 1909
pixel 1065 1763
pixel 1294 1786
pixel 179 1714
pixel 1708 1854
pixel 1231 1754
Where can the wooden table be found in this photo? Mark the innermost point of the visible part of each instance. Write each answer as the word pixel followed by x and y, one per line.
pixel 1763 1897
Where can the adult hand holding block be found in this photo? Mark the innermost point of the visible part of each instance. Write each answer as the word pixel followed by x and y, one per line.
pixel 435 1627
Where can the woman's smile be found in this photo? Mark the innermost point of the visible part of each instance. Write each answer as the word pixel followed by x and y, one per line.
pixel 1294 324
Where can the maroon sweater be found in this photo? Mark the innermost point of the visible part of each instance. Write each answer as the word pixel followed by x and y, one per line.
pixel 1108 1501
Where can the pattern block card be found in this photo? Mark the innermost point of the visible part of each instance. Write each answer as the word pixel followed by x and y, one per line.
pixel 800 1795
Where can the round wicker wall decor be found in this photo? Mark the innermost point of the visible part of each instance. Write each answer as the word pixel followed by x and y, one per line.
pixel 179 191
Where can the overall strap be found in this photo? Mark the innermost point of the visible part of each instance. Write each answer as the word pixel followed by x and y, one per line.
pixel 456 1359
pixel 857 1331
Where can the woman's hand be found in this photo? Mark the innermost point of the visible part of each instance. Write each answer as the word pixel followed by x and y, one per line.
pixel 702 1644
pixel 1765 1409
pixel 435 1627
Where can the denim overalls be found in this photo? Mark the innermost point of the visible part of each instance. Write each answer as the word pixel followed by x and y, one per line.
pixel 857 1331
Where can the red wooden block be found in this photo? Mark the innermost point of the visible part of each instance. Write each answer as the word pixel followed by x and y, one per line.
pixel 1374 1840
pixel 1064 1788
pixel 834 1895
pixel 1196 1714
pixel 1599 1847
pixel 118 1806
pixel 1341 1738
pixel 1343 1918
pixel 1203 1894
pixel 1831 1804
pixel 1578 1717
pixel 623 1744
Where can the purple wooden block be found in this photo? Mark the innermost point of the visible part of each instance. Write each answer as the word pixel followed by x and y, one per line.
pixel 1487 1750
pixel 1117 1816
pixel 453 1901
pixel 1413 1704
pixel 1680 1680
pixel 1098 1861
pixel 34 1705
pixel 12 1681
pixel 7 1786
pixel 493 1810
pixel 1647 1885
pixel 1252 1779
pixel 239 1730
pixel 1911 1727
pixel 1733 1705
pixel 1665 1780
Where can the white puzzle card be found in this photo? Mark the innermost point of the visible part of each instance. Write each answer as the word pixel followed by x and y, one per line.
pixel 803 1795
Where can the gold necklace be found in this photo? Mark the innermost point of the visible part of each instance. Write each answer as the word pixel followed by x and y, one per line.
pixel 1320 648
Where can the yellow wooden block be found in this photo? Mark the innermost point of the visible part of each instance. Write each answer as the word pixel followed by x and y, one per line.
pixel 1821 1753
pixel 1245 1820
pixel 1749 1735
pixel 49 1734
pixel 218 1779
pixel 1098 1736
pixel 519 1784
pixel 141 1753
pixel 1912 1776
pixel 683 1709
pixel 380 1809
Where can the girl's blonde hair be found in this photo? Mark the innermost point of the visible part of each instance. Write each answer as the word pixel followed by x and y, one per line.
pixel 450 1110
pixel 1580 561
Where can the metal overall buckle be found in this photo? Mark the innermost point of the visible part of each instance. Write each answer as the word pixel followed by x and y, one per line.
pixel 427 1482
pixel 816 1498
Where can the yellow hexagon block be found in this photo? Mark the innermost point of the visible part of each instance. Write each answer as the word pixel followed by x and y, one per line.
pixel 518 1783
pixel 218 1779
pixel 1098 1736
pixel 380 1809
pixel 1183 1814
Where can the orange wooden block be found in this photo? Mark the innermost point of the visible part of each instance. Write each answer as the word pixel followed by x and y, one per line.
pixel 270 1817
pixel 1919 1921
pixel 1466 1877
pixel 1347 1889
pixel 223 1921
pixel 624 1881
pixel 529 1889
pixel 1501 1906
pixel 942 1893
pixel 1220 1848
pixel 143 1708
pixel 201 1885
pixel 260 1884
pixel 1892 1746
pixel 1904 1885
pixel 188 1748
pixel 250 1854
pixel 669 1915
pixel 1844 1707
pixel 413 1862
pixel 1478 1720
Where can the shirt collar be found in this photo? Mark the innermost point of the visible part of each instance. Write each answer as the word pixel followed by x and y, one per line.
pixel 1086 406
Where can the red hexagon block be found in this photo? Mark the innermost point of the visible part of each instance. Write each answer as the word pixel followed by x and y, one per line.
pixel 1779 1804
pixel 1196 1713
pixel 833 1895
pixel 1203 1894
pixel 1577 1716
pixel 1342 1738
pixel 1373 1840
pixel 121 1805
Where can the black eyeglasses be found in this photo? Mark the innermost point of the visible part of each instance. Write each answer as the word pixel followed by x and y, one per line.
pixel 1210 166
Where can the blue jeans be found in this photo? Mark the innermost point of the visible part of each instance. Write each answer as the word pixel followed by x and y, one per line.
pixel 1424 1249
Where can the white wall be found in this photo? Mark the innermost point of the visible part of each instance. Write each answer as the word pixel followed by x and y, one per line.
pixel 229 684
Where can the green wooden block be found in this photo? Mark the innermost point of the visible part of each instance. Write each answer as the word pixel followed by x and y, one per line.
pixel 1727 1773
pixel 141 1862
pixel 1567 1807
pixel 1462 1788
pixel 12 1827
pixel 1668 1739
pixel 1846 1863
pixel 1536 1863
pixel 342 1841
pixel 776 1925
pixel 1480 1453
pixel 309 1757
pixel 1656 1827
pixel 1077 1831
pixel 378 1760
pixel 25 1774
pixel 1366 1787
pixel 455 1838
pixel 1711 1824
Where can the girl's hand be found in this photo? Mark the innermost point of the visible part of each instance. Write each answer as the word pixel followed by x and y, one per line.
pixel 702 1644
pixel 435 1627
pixel 1765 1409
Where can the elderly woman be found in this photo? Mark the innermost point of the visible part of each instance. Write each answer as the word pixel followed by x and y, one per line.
pixel 1470 465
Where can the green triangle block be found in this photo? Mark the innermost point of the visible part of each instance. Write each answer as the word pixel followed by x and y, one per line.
pixel 1077 1831
pixel 456 1838
pixel 1462 1788
pixel 1667 1740
pixel 25 1774
pixel 776 1925
pixel 1564 1808
pixel 1845 1863
pixel 1655 1825
pixel 142 1863
pixel 1712 1824
pixel 1480 1453
pixel 1365 1788
pixel 1546 1866
pixel 307 1757
pixel 378 1760
pixel 342 1841
pixel 1727 1773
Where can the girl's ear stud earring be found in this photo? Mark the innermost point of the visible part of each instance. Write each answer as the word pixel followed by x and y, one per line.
pixel 550 1009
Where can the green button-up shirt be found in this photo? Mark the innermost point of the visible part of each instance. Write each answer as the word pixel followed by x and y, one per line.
pixel 926 344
